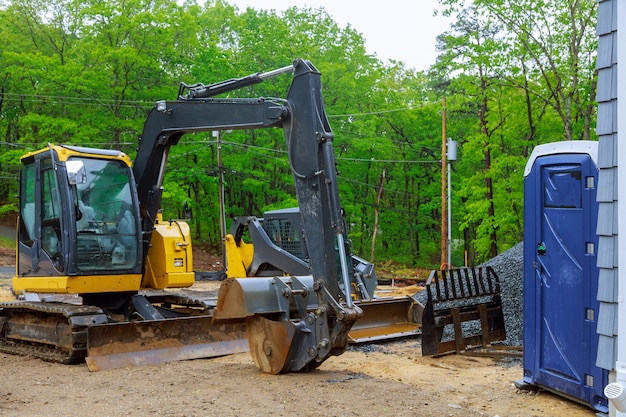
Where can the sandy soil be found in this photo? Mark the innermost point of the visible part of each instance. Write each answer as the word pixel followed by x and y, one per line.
pixel 390 379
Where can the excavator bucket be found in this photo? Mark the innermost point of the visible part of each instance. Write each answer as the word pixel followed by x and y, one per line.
pixel 387 318
pixel 117 345
pixel 459 296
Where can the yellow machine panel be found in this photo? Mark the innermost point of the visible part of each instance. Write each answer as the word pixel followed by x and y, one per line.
pixel 170 260
pixel 238 257
pixel 84 284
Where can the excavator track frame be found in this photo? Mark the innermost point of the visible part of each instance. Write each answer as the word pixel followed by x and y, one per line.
pixel 54 332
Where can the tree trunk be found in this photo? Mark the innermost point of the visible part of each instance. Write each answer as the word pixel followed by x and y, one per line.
pixel 376 206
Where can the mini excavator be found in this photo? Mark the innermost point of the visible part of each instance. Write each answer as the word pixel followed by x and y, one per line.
pixel 91 241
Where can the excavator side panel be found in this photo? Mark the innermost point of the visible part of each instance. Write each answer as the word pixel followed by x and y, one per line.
pixel 169 263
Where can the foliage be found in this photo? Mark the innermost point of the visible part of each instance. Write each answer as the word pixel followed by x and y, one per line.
pixel 517 74
pixel 87 72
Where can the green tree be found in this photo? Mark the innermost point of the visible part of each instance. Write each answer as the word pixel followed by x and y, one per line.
pixel 524 83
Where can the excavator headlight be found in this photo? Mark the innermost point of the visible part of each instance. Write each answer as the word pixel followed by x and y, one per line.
pixel 178 262
pixel 161 106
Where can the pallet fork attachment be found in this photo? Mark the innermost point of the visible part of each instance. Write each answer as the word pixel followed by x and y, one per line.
pixel 457 296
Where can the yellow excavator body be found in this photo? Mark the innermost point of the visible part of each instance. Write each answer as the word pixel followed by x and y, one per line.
pixel 170 260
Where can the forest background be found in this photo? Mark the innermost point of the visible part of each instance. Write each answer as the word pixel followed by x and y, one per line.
pixel 514 74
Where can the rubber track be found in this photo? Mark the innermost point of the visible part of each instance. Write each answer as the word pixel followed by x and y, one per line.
pixel 75 318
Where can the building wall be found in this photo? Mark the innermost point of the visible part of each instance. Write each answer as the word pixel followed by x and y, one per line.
pixel 607 226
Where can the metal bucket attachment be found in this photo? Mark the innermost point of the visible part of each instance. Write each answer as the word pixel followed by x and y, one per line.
pixel 244 297
pixel 387 318
pixel 119 345
pixel 457 296
pixel 287 330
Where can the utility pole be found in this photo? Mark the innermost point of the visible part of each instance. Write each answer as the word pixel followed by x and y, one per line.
pixel 444 193
pixel 451 157
pixel 217 135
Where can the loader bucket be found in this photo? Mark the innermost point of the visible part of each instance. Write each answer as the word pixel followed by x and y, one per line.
pixel 387 318
pixel 458 296
pixel 117 345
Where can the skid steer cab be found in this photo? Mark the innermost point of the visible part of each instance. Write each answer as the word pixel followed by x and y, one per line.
pixel 277 246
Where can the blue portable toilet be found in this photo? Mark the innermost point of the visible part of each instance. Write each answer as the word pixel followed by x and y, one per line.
pixel 560 272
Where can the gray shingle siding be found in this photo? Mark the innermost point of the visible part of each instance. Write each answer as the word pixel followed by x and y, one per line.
pixel 606 228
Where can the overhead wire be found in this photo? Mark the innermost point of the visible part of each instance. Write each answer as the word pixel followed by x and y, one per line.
pixel 32 98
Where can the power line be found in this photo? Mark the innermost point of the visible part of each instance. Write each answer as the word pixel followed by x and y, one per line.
pixel 390 161
pixel 73 99
pixel 376 112
pixel 35 98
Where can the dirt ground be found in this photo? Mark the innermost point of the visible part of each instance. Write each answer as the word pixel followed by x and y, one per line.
pixel 389 379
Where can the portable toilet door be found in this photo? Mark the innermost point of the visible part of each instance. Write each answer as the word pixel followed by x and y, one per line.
pixel 560 272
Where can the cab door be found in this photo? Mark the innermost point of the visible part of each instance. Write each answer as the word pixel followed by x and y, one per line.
pixel 40 236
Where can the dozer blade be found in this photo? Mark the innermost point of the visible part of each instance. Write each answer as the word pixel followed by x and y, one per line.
pixel 119 345
pixel 387 318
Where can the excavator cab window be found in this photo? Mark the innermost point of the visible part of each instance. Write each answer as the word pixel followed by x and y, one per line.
pixel 51 216
pixel 40 223
pixel 106 227
pixel 27 205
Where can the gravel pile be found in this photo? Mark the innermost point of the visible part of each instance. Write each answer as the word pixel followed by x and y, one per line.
pixel 509 266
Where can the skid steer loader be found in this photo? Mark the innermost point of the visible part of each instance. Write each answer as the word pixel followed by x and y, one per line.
pixel 277 246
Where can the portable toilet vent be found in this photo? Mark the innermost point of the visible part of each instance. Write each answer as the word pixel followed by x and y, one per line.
pixel 560 272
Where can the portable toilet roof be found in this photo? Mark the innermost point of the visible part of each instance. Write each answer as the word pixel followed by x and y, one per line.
pixel 563 147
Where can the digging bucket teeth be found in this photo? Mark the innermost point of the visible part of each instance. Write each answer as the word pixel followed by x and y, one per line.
pixel 387 318
pixel 117 345
pixel 457 296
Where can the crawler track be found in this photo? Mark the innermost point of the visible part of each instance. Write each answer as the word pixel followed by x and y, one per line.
pixel 49 331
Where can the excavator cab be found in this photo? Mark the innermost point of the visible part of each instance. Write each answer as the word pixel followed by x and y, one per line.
pixel 79 217
pixel 80 230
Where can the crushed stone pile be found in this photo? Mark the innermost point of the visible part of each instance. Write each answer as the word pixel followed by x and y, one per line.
pixel 509 267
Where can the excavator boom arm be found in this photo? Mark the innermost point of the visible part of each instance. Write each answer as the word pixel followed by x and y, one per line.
pixel 170 120
pixel 313 335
